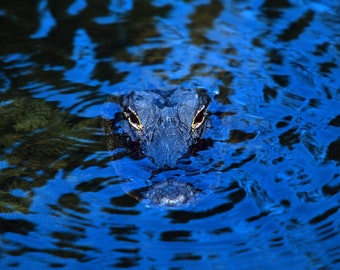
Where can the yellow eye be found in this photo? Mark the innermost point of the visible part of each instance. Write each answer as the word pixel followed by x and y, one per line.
pixel 133 119
pixel 199 118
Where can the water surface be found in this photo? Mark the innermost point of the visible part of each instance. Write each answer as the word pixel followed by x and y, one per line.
pixel 271 170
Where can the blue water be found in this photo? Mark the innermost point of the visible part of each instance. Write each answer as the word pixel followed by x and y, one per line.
pixel 270 175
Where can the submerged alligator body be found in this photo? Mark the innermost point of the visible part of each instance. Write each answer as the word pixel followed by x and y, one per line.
pixel 165 125
pixel 178 167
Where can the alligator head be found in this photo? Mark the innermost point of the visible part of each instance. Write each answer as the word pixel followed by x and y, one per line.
pixel 165 123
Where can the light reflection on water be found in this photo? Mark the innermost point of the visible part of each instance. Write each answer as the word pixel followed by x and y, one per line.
pixel 270 69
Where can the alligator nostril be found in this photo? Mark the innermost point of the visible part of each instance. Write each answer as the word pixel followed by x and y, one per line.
pixel 171 193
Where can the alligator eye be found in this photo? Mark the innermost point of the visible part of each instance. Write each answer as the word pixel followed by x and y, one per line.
pixel 199 118
pixel 133 118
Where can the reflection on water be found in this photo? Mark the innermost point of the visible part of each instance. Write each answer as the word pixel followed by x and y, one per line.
pixel 273 146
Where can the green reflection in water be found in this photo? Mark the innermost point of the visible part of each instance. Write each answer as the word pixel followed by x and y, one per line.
pixel 38 140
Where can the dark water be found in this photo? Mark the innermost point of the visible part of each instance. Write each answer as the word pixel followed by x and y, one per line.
pixel 271 172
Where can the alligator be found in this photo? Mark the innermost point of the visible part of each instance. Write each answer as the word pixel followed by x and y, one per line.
pixel 166 129
pixel 165 125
